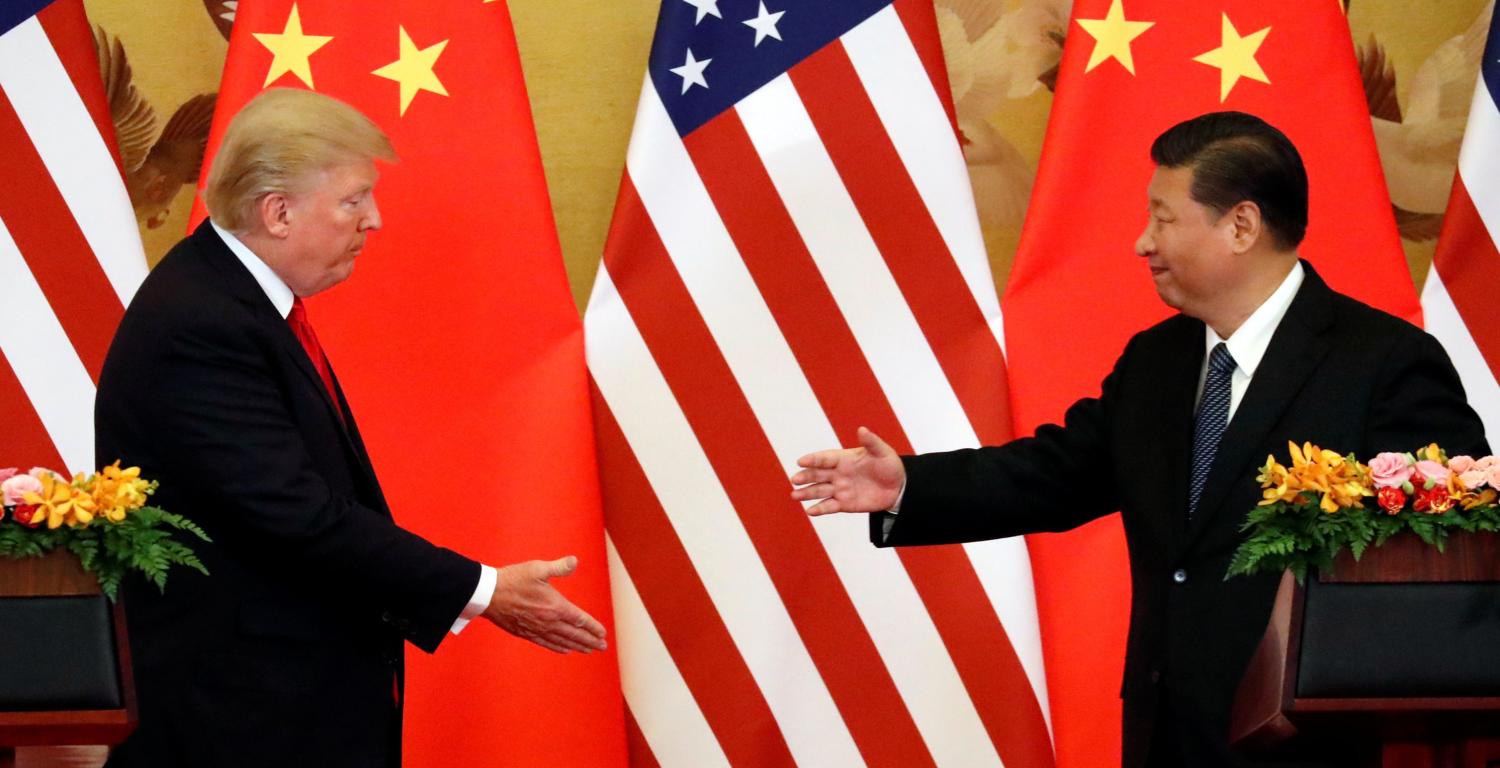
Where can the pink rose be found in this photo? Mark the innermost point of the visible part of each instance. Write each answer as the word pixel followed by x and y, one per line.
pixel 15 488
pixel 6 474
pixel 1460 464
pixel 1491 467
pixel 1433 471
pixel 1390 470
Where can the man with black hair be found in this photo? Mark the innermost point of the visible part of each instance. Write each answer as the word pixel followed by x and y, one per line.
pixel 1261 352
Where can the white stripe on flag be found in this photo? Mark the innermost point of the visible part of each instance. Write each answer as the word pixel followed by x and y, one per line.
pixel 786 408
pixel 75 155
pixel 893 76
pixel 913 115
pixel 33 341
pixel 658 697
pixel 1444 322
pixel 705 521
pixel 852 267
pixel 1480 156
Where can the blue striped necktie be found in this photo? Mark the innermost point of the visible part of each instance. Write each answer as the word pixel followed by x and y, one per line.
pixel 1213 416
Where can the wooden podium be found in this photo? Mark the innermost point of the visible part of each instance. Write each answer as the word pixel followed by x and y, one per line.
pixel 65 675
pixel 1399 650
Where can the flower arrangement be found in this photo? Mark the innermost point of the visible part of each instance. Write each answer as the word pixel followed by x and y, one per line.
pixel 102 518
pixel 1314 509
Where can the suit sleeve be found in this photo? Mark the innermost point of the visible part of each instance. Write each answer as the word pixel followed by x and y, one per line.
pixel 224 423
pixel 1419 399
pixel 1056 480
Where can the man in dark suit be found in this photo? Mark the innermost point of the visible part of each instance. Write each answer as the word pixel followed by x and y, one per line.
pixel 1262 352
pixel 290 652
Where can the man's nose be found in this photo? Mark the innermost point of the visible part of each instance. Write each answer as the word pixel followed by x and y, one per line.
pixel 372 219
pixel 1144 245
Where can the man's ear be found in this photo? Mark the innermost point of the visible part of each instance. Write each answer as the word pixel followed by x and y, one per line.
pixel 275 212
pixel 1246 227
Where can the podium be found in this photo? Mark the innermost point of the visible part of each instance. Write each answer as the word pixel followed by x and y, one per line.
pixel 65 673
pixel 1399 650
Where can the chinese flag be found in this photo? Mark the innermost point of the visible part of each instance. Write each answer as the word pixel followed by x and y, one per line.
pixel 460 349
pixel 1130 70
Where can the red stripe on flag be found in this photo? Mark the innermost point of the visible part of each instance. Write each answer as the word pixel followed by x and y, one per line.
pixel 908 239
pixel 1469 263
pixel 756 483
pixel 636 747
pixel 38 219
pixel 921 15
pixel 787 277
pixel 26 442
pixel 681 609
pixel 68 28
pixel 851 396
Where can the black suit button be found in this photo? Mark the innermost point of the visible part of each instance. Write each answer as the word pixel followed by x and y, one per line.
pixel 1179 576
pixel 386 617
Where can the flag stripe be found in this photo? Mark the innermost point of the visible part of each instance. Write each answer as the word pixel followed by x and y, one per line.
pixel 1451 328
pixel 32 339
pixel 669 718
pixel 888 64
pixel 852 268
pixel 74 153
pixel 918 15
pixel 711 531
pixel 806 313
pixel 26 440
pixel 67 27
pixel 784 271
pixel 1470 266
pixel 681 610
pixel 53 247
pixel 889 204
pixel 638 751
pixel 725 426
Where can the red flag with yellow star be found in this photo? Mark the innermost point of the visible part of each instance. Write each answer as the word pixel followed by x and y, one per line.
pixel 1130 70
pixel 460 349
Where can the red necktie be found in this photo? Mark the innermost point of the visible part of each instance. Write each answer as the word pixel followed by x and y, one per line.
pixel 303 330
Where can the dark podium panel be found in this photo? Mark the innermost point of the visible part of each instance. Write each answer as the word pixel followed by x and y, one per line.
pixel 65 676
pixel 1400 652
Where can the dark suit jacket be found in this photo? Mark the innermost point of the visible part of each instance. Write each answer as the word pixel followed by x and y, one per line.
pixel 1338 373
pixel 287 654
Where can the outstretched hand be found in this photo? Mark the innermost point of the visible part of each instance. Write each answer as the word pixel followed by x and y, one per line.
pixel 864 479
pixel 526 606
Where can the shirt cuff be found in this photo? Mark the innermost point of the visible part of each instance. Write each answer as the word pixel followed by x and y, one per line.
pixel 901 494
pixel 484 591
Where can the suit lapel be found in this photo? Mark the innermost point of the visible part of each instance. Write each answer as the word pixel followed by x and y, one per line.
pixel 1174 423
pixel 1294 353
pixel 242 286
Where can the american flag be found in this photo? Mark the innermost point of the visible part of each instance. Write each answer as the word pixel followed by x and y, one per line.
pixel 1458 299
pixel 70 252
pixel 794 254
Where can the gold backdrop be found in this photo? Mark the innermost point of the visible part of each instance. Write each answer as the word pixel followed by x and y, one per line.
pixel 584 61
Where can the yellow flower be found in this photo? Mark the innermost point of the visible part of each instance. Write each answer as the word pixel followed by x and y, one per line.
pixel 62 502
pixel 118 491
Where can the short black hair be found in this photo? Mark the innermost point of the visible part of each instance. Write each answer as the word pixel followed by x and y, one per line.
pixel 1237 157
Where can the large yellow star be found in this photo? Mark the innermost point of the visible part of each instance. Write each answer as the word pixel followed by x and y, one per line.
pixel 291 50
pixel 1235 58
pixel 1112 35
pixel 413 70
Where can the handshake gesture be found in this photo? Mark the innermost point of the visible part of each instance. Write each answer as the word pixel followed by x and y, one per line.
pixel 869 478
pixel 527 606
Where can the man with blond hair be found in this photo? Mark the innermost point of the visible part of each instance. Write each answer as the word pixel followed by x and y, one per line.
pixel 290 652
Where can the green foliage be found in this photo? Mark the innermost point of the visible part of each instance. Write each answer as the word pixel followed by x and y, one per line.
pixel 1299 536
pixel 142 542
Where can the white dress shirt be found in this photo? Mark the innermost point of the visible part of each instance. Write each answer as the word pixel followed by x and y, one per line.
pixel 281 297
pixel 1247 345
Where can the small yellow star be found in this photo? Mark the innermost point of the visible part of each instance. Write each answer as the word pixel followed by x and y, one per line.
pixel 413 70
pixel 291 50
pixel 1112 35
pixel 1235 57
